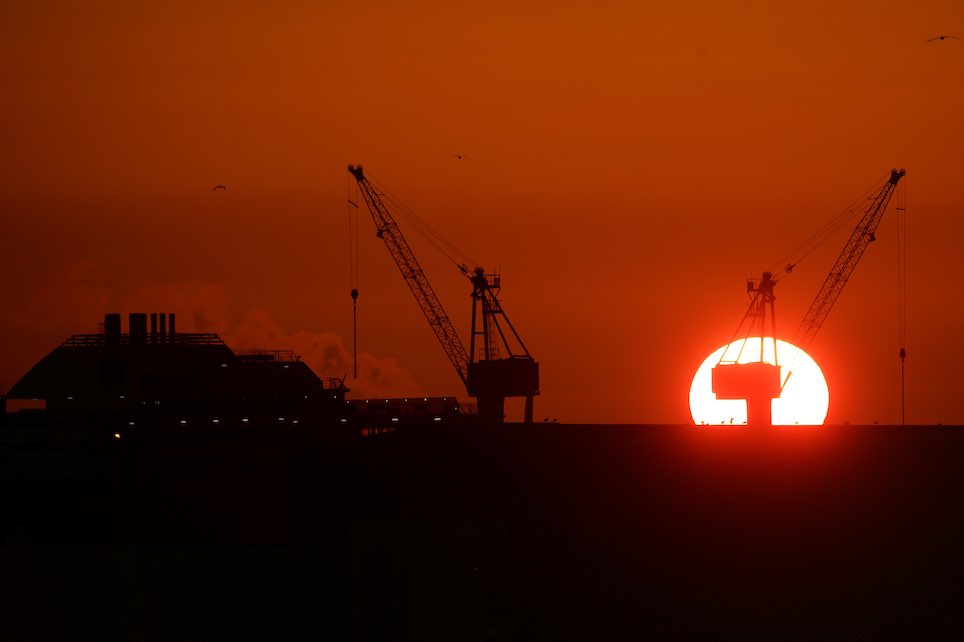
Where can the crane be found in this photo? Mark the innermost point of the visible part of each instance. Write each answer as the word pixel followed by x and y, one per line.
pixel 759 382
pixel 863 235
pixel 497 365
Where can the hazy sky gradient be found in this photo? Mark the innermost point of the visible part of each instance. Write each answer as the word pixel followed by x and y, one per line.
pixel 627 165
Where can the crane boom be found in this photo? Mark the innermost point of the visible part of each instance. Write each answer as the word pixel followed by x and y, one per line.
pixel 862 236
pixel 414 276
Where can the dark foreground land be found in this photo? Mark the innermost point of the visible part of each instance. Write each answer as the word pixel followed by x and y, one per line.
pixel 549 533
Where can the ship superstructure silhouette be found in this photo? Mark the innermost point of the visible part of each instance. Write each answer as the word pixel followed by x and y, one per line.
pixel 154 375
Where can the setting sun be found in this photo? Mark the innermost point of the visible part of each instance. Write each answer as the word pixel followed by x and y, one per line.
pixel 804 399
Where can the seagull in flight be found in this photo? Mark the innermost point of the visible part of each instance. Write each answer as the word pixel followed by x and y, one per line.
pixel 941 38
pixel 217 187
pixel 459 156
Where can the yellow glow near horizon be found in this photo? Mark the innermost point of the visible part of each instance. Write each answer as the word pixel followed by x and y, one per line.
pixel 804 400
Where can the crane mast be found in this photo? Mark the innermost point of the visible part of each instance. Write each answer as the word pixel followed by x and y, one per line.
pixel 862 236
pixel 486 374
pixel 758 382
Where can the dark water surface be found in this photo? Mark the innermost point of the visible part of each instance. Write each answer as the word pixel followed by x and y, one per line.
pixel 554 532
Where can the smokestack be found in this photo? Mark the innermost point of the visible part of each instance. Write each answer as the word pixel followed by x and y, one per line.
pixel 112 327
pixel 162 331
pixel 137 325
pixel 153 327
pixel 170 317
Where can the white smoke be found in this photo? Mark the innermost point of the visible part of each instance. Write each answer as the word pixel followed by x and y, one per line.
pixel 325 353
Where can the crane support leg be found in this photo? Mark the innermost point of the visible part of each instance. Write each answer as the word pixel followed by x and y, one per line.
pixel 528 414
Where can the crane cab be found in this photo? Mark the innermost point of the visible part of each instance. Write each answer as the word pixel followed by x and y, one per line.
pixel 758 383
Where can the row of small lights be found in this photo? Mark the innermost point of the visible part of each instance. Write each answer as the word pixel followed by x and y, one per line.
pixel 217 421
pixel 71 398
pixel 348 401
pixel 224 365
pixel 245 420
pixel 389 401
pixel 183 422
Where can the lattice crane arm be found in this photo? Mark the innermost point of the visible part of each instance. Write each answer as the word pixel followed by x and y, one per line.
pixel 414 276
pixel 862 236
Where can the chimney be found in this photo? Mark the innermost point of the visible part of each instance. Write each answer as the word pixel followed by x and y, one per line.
pixel 153 327
pixel 162 330
pixel 112 327
pixel 170 317
pixel 137 325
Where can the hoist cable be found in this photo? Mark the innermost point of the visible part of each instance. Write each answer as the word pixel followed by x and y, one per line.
pixel 442 244
pixel 902 289
pixel 353 264
pixel 789 260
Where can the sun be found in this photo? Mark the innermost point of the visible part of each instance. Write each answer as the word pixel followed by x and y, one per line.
pixel 804 399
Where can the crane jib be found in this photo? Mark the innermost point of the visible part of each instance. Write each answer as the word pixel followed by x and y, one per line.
pixel 413 275
pixel 846 262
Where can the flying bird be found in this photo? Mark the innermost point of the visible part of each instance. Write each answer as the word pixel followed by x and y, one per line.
pixel 217 187
pixel 941 38
pixel 459 156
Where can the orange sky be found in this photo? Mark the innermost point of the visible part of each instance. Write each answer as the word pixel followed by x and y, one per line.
pixel 627 166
